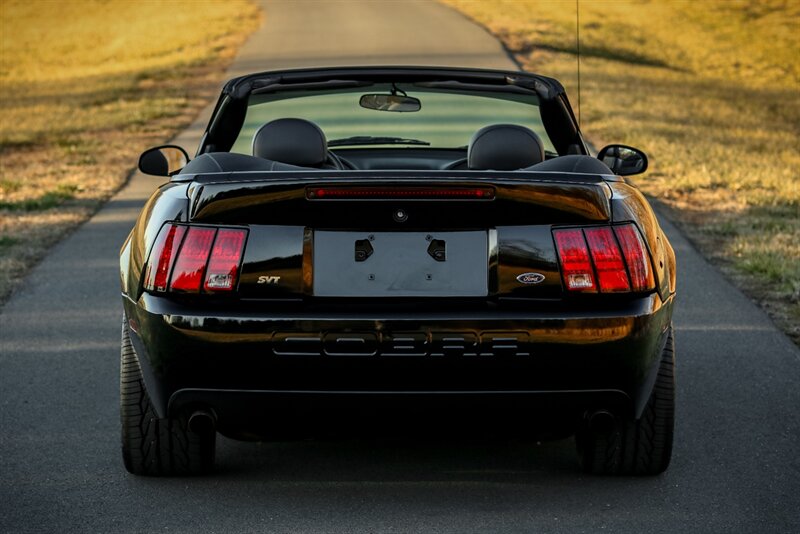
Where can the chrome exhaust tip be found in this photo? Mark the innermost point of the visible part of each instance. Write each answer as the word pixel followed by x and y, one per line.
pixel 602 422
pixel 202 422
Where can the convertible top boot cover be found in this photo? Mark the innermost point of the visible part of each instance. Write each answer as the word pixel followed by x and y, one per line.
pixel 574 163
pixel 228 162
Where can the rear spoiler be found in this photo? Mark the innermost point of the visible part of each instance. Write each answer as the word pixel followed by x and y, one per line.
pixel 249 196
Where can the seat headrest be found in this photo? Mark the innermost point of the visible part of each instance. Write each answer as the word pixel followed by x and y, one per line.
pixel 504 147
pixel 294 141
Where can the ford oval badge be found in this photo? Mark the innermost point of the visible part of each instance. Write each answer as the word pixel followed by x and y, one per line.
pixel 530 278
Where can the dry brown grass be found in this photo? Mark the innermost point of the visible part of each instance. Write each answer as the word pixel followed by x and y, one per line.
pixel 84 87
pixel 711 91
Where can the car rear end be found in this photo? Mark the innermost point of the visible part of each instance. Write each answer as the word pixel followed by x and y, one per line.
pixel 299 303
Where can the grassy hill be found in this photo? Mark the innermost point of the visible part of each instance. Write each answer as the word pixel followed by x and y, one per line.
pixel 711 91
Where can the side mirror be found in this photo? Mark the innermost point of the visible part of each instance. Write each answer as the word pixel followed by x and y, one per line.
pixel 623 160
pixel 164 160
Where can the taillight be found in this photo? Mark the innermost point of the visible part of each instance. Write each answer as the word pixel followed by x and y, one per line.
pixel 162 257
pixel 605 259
pixel 192 259
pixel 576 267
pixel 223 267
pixel 642 277
pixel 188 259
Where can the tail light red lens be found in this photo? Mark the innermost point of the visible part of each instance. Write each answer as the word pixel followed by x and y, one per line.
pixel 162 257
pixel 226 256
pixel 192 258
pixel 636 256
pixel 188 259
pixel 576 266
pixel 605 259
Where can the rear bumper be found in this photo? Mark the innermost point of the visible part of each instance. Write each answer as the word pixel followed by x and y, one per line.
pixel 293 414
pixel 249 364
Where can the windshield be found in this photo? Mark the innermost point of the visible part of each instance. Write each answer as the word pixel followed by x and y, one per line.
pixel 446 119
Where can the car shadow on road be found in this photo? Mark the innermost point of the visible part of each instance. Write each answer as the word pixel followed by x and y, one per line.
pixel 397 460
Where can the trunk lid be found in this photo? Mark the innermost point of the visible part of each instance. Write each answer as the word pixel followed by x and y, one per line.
pixel 286 198
pixel 495 244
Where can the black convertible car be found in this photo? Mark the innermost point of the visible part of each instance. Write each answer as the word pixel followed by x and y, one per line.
pixel 397 250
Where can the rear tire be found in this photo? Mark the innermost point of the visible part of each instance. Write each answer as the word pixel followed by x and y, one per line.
pixel 636 447
pixel 153 446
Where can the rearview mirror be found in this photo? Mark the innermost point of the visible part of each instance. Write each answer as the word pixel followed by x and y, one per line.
pixel 164 160
pixel 623 160
pixel 390 103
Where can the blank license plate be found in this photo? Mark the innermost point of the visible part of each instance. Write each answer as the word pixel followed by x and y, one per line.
pixel 400 264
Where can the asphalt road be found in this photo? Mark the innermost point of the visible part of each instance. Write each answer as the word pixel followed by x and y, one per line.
pixel 735 467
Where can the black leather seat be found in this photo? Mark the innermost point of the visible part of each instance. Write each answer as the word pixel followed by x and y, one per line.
pixel 504 147
pixel 293 141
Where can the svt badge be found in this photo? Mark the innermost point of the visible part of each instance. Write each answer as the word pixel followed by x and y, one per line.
pixel 530 278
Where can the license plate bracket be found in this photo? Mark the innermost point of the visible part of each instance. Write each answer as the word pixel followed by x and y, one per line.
pixel 400 264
